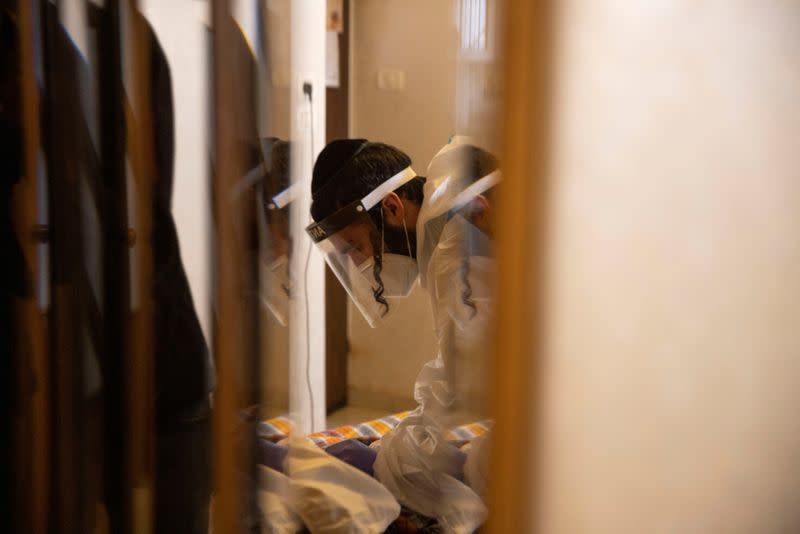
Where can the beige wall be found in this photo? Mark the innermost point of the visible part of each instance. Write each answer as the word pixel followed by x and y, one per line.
pixel 384 361
pixel 418 37
pixel 673 363
pixel 275 121
pixel 182 29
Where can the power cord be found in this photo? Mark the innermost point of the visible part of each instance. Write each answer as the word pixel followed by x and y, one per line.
pixel 307 90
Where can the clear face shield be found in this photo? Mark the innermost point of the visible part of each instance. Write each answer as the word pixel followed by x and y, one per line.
pixel 276 248
pixel 461 252
pixel 355 247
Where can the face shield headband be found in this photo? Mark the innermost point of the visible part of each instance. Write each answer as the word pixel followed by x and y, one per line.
pixel 323 229
pixel 477 188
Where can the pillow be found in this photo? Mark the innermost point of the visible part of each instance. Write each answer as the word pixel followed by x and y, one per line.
pixel 355 453
pixel 274 429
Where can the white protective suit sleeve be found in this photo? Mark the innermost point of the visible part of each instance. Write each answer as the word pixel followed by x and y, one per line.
pixel 414 461
pixel 332 497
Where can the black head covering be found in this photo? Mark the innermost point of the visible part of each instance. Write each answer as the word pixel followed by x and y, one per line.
pixel 333 158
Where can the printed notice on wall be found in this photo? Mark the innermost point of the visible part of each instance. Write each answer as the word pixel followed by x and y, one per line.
pixel 332 59
pixel 335 22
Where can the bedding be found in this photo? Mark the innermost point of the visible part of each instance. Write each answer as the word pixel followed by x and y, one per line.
pixel 349 443
pixel 277 429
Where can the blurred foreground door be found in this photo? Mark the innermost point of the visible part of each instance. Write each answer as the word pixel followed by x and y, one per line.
pixel 665 381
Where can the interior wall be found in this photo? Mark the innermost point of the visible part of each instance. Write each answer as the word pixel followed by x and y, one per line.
pixel 276 118
pixel 182 29
pixel 672 371
pixel 419 38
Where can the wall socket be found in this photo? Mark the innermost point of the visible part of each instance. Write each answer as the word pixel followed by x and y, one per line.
pixel 392 80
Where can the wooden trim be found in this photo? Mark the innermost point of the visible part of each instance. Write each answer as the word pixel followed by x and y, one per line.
pixel 32 436
pixel 227 260
pixel 139 367
pixel 520 257
pixel 337 115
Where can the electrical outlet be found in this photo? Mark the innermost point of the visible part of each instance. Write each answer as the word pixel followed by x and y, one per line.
pixel 392 80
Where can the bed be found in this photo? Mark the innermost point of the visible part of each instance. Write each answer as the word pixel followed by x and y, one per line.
pixel 273 433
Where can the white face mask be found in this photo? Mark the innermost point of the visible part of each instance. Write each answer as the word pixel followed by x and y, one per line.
pixel 398 274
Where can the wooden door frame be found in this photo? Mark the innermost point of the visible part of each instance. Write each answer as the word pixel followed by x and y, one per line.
pixel 521 228
pixel 337 112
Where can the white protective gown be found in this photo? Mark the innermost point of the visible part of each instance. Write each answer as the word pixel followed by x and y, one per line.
pixel 414 461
